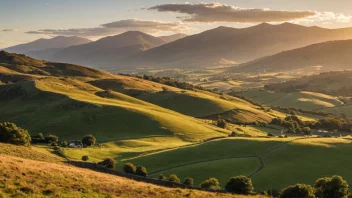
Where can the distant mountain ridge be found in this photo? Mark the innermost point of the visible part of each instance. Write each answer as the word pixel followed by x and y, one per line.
pixel 43 44
pixel 331 55
pixel 224 44
pixel 173 37
pixel 108 50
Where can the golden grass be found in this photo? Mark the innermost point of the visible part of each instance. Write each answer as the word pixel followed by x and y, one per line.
pixel 29 178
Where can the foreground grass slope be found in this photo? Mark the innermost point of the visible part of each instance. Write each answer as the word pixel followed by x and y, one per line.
pixel 24 176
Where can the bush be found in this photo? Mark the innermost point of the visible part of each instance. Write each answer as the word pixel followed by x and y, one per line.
pixel 64 144
pixel 334 186
pixel 188 181
pixel 85 158
pixel 271 135
pixel 108 163
pixel 211 183
pixel 129 168
pixel 162 177
pixel 272 193
pixel 174 178
pixel 51 138
pixel 306 130
pixel 88 140
pixel 239 185
pixel 221 123
pixel 298 190
pixel 141 171
pixel 10 133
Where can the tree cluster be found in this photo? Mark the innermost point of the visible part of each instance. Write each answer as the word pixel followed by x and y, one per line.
pixel 12 134
pixel 131 169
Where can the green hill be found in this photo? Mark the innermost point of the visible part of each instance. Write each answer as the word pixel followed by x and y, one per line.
pixel 332 83
pixel 272 163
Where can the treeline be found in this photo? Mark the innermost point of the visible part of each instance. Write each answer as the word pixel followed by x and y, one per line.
pixel 172 83
pixel 332 123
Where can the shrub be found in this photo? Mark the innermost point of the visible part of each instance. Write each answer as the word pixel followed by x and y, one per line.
pixel 306 130
pixel 188 181
pixel 211 183
pixel 64 144
pixel 271 135
pixel 88 140
pixel 298 190
pixel 51 138
pixel 162 177
pixel 221 123
pixel 174 178
pixel 141 171
pixel 108 163
pixel 272 193
pixel 85 158
pixel 10 133
pixel 129 168
pixel 334 186
pixel 239 185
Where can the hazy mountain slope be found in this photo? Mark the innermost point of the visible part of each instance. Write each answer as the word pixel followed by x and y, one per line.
pixel 225 44
pixel 43 44
pixel 332 55
pixel 108 50
pixel 173 37
pixel 337 83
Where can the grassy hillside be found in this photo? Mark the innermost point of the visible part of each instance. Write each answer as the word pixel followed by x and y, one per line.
pixel 301 100
pixel 332 83
pixel 286 163
pixel 25 177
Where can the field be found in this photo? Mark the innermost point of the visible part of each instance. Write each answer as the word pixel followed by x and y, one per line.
pixel 301 100
pixel 285 162
pixel 24 176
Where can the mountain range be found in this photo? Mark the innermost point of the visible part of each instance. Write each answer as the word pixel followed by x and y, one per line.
pixel 217 47
pixel 58 42
pixel 331 55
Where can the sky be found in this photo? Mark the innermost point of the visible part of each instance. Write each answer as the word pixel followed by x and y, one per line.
pixel 23 21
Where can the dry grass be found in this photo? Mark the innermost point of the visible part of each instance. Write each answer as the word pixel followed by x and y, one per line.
pixel 29 178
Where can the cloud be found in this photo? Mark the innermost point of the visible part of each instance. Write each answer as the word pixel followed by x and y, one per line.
pixel 117 27
pixel 217 12
pixel 10 30
pixel 327 18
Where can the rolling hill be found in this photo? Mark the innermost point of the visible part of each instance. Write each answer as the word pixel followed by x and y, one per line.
pixel 58 42
pixel 54 96
pixel 335 83
pixel 332 55
pixel 30 173
pixel 230 45
pixel 108 50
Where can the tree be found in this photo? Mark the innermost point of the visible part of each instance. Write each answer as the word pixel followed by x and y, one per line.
pixel 108 163
pixel 221 123
pixel 298 190
pixel 188 181
pixel 51 139
pixel 88 140
pixel 239 185
pixel 10 133
pixel 211 183
pixel 129 168
pixel 334 186
pixel 306 130
pixel 85 158
pixel 141 171
pixel 162 177
pixel 174 178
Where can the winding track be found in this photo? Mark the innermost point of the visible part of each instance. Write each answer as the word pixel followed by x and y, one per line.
pixel 260 157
